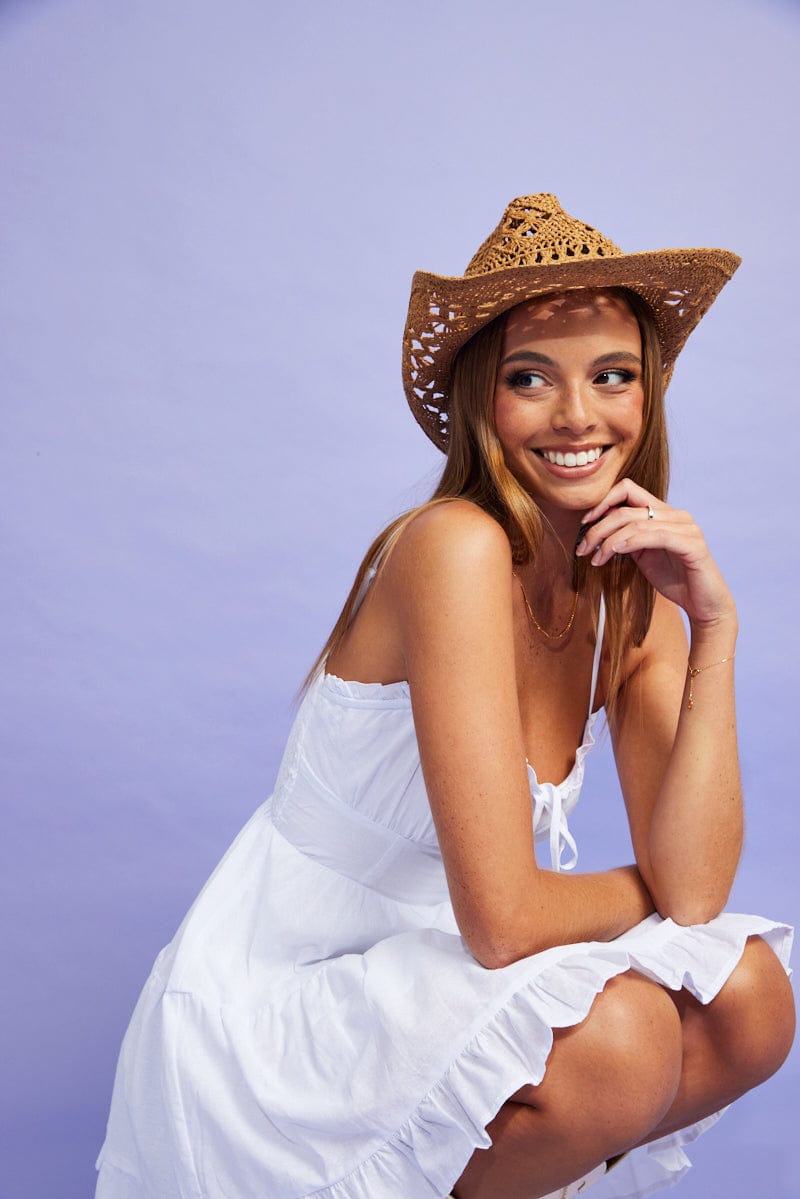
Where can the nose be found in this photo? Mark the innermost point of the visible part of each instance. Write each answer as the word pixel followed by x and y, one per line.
pixel 574 412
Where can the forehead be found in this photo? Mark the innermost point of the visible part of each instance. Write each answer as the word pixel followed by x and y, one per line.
pixel 577 313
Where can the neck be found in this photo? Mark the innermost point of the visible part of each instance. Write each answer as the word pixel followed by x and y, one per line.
pixel 561 525
pixel 555 560
pixel 547 587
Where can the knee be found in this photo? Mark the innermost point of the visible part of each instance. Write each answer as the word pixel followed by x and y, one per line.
pixel 755 1015
pixel 638 1039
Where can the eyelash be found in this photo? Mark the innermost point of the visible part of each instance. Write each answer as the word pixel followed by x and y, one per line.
pixel 627 376
pixel 515 379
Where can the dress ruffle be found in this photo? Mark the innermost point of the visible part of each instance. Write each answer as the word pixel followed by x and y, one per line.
pixel 430 1150
pixel 417 1137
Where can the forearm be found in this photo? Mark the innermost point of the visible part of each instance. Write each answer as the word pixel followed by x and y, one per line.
pixel 695 834
pixel 556 909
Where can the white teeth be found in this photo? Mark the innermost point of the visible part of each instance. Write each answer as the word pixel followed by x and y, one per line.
pixel 582 458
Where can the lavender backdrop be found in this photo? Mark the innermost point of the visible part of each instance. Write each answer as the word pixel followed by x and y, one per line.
pixel 208 222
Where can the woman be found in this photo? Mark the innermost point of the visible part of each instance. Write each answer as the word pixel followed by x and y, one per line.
pixel 379 992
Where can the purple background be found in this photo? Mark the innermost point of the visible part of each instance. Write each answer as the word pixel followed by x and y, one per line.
pixel 209 216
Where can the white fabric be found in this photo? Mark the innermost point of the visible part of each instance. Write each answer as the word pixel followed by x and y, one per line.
pixel 317 1025
pixel 552 804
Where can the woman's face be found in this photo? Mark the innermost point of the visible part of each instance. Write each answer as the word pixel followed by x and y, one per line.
pixel 569 396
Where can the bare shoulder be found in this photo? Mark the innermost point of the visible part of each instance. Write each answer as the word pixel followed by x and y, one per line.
pixel 445 573
pixel 448 590
pixel 448 541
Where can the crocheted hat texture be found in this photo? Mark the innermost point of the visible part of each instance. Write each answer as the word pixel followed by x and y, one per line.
pixel 539 248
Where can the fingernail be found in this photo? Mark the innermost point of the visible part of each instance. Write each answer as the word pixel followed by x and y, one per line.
pixel 580 543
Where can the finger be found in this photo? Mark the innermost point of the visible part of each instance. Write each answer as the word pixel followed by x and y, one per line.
pixel 675 537
pixel 617 519
pixel 625 492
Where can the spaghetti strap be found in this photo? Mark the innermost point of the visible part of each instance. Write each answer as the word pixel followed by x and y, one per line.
pixel 380 558
pixel 363 589
pixel 598 651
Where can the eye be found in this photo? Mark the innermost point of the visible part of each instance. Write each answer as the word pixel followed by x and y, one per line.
pixel 615 377
pixel 525 380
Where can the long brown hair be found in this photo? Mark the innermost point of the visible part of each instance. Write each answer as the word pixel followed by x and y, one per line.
pixel 475 469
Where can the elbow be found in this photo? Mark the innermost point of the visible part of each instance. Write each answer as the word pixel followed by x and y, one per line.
pixel 494 957
pixel 687 915
pixel 687 909
pixel 501 945
pixel 692 894
pixel 510 927
pixel 493 932
pixel 490 948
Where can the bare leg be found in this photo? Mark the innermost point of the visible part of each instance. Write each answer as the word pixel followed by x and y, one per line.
pixel 610 1073
pixel 609 1081
pixel 735 1042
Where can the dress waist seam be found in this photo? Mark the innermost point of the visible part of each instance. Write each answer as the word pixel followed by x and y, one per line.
pixel 402 872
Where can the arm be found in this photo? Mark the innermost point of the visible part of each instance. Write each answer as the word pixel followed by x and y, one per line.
pixel 678 767
pixel 449 584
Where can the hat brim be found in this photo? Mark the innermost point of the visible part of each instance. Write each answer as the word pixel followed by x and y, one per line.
pixel 445 312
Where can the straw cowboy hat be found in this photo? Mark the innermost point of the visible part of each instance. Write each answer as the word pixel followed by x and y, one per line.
pixel 539 248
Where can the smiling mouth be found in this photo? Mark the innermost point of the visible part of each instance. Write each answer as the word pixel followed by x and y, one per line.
pixel 573 457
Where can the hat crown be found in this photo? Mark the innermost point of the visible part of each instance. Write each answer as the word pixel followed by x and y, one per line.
pixel 536 231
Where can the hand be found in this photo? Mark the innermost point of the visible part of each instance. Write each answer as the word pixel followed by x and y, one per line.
pixel 668 548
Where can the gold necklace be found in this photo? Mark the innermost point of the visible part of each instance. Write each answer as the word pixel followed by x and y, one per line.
pixel 542 630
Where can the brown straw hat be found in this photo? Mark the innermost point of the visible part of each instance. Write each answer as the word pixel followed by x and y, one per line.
pixel 539 248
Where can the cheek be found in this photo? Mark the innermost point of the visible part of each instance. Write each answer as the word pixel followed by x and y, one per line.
pixel 633 423
pixel 507 422
pixel 637 426
pixel 637 419
pixel 632 417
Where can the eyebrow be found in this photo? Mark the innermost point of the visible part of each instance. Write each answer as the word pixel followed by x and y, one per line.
pixel 543 360
pixel 619 356
pixel 528 356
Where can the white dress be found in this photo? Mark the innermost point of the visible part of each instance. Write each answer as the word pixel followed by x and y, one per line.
pixel 317 1027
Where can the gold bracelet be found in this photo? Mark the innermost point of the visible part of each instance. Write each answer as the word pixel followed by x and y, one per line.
pixel 692 671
